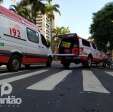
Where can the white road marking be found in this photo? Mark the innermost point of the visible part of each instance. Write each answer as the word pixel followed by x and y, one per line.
pixel 26 75
pixel 50 82
pixel 10 73
pixel 91 83
pixel 110 73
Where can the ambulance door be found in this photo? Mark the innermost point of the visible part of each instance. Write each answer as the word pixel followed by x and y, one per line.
pixel 44 46
pixel 33 46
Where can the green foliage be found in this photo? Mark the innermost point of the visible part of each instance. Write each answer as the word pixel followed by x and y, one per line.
pixel 61 30
pixel 58 31
pixel 30 8
pixel 23 11
pixel 51 8
pixel 102 27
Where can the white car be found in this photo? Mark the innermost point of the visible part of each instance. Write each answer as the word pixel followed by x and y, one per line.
pixel 21 42
pixel 75 49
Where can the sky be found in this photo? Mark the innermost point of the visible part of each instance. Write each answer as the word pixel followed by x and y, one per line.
pixel 75 14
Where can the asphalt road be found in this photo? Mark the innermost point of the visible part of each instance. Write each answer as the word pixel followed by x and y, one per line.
pixel 58 90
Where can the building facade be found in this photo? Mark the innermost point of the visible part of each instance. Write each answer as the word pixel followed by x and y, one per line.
pixel 45 25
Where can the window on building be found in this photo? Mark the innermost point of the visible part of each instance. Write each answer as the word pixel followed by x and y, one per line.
pixel 39 25
pixel 38 19
pixel 39 16
pixel 39 22
pixel 32 36
pixel 85 43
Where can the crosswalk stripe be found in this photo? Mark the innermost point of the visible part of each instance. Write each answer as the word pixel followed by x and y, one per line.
pixel 91 83
pixel 50 82
pixel 15 78
pixel 110 73
pixel 10 73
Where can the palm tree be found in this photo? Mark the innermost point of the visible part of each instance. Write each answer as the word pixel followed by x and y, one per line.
pixel 50 10
pixel 61 30
pixel 34 6
pixel 56 31
pixel 23 11
pixel 56 40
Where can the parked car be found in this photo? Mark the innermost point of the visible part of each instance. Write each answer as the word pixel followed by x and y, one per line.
pixel 78 50
pixel 21 42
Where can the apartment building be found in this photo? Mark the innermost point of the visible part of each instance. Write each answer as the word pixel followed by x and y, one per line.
pixel 45 25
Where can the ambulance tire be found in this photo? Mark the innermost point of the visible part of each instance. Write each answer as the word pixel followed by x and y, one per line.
pixel 49 62
pixel 14 63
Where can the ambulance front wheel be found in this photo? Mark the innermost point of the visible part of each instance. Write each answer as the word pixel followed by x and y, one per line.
pixel 14 63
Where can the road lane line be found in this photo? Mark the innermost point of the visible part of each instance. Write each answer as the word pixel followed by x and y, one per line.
pixel 50 82
pixel 91 83
pixel 26 75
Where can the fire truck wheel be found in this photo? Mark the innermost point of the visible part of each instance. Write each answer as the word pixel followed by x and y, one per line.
pixel 14 63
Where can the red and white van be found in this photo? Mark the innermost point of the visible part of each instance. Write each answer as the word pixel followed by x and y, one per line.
pixel 75 49
pixel 21 42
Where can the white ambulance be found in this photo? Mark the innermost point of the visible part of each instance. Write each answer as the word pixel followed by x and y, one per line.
pixel 75 49
pixel 21 42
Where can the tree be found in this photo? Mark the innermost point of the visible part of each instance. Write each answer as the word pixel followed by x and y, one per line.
pixel 23 11
pixel 50 9
pixel 64 30
pixel 58 31
pixel 34 6
pixel 102 27
pixel 61 30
